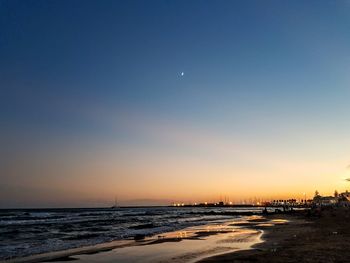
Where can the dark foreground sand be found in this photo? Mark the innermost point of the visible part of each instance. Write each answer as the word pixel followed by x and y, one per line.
pixel 304 239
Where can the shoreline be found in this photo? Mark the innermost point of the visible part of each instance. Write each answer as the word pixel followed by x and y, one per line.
pixel 202 234
pixel 264 238
pixel 321 235
pixel 69 229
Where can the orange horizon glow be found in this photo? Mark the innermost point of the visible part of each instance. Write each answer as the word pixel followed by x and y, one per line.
pixel 184 169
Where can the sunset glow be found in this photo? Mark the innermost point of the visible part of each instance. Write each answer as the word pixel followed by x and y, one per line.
pixel 114 99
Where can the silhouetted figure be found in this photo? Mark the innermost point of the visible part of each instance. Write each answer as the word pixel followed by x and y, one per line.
pixel 265 212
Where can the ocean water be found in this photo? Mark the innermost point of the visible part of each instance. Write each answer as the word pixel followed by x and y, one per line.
pixel 34 231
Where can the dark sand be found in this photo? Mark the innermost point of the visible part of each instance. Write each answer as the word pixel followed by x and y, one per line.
pixel 303 239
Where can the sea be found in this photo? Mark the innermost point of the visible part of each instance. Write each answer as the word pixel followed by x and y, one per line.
pixel 25 232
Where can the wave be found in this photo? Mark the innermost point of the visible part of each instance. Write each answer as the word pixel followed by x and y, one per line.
pixel 25 233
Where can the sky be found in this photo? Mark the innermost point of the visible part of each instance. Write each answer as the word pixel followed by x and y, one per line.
pixel 172 101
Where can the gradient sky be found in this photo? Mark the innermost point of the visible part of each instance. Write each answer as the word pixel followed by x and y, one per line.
pixel 93 104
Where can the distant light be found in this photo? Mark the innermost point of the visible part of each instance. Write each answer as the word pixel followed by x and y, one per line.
pixel 182 73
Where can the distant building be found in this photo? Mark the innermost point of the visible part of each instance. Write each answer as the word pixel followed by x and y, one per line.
pixel 346 195
pixel 344 199
pixel 325 200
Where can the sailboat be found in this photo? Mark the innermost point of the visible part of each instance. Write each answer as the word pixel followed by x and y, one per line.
pixel 115 203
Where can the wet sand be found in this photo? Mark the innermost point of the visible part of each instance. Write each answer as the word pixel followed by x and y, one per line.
pixel 303 239
pixel 188 245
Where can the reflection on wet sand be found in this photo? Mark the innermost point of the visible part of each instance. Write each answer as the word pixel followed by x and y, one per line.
pixel 190 244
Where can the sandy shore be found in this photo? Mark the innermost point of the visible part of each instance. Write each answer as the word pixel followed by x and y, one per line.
pixel 303 239
pixel 295 237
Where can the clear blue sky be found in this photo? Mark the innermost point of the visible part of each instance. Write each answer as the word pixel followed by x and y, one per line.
pixel 98 84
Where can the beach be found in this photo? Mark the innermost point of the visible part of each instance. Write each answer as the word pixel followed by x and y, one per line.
pixel 189 244
pixel 174 131
pixel 299 236
pixel 317 238
pixel 31 232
